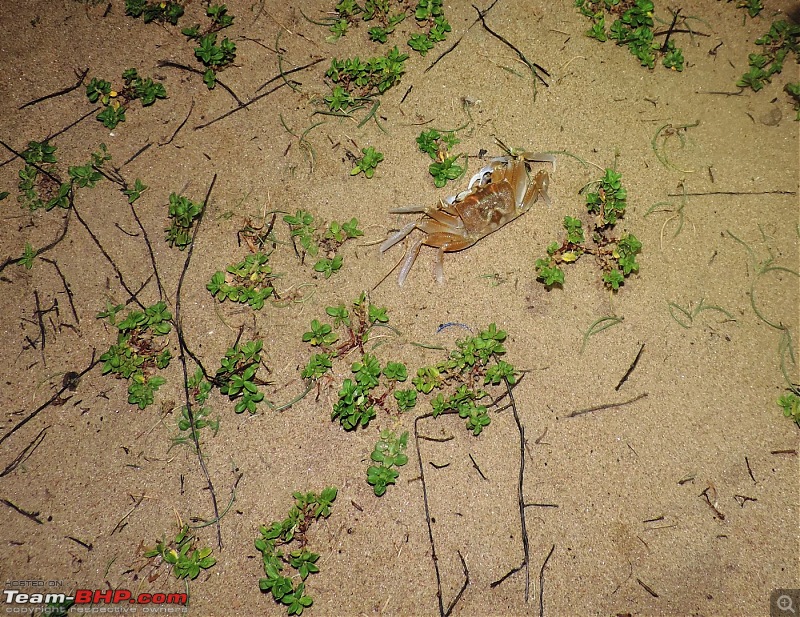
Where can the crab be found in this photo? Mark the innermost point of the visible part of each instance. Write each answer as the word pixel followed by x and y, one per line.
pixel 497 194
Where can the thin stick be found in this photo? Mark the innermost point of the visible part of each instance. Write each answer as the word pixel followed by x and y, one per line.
pixel 630 368
pixel 541 580
pixel 34 516
pixel 581 412
pixel 49 402
pixel 191 69
pixel 463 587
pixel 531 65
pixel 26 452
pixel 53 95
pixel 526 560
pixel 184 353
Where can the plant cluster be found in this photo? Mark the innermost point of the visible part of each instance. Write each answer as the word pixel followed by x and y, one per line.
pixel 437 145
pixel 358 321
pixel 284 546
pixel 41 190
pixel 429 15
pixel 214 55
pixel 323 243
pixel 616 257
pixel 632 26
pixel 783 37
pixel 790 404
pixel 247 282
pixel 199 390
pixel 139 350
pixel 357 80
pixel 387 14
pixel 155 10
pixel 183 213
pixel 389 453
pixel 116 103
pixel 367 163
pixel 461 378
pixel 40 184
pixel 753 7
pixel 186 560
pixel 236 377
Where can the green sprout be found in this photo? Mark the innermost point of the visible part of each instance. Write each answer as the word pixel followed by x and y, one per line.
pixel 186 560
pixel 368 162
pixel 138 353
pixel 247 282
pixel 276 544
pixel 616 257
pixel 389 453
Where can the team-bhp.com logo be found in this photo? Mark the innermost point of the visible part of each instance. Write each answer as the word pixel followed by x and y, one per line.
pixel 86 598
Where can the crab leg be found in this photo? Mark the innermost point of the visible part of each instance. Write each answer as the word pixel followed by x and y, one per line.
pixel 395 238
pixel 411 256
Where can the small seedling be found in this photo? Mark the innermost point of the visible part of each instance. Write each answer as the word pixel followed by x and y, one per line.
pixel 183 213
pixel 312 241
pixel 753 7
pixel 429 15
pixel 367 163
pixel 389 453
pixel 133 194
pixel 215 57
pixel 186 560
pixel 790 403
pixel 437 146
pixel 115 104
pixel 41 190
pixel 199 391
pixel 155 10
pixel 138 352
pixel 246 282
pixel 236 376
pixel 783 37
pixel 616 257
pixel 276 545
pixel 632 26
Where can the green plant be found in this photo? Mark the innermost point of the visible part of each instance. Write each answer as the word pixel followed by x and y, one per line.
pixel 790 403
pixel 437 146
pixel 246 282
pixel 632 26
pixel 276 542
pixel 359 80
pixel 155 10
pixel 754 7
pixel 616 257
pixel 186 560
pixel 302 227
pixel 236 376
pixel 389 453
pixel 783 37
pixel 367 163
pixel 183 213
pixel 474 364
pixel 41 190
pixel 199 390
pixel 215 57
pixel 115 104
pixel 138 352
pixel 133 194
pixel 429 15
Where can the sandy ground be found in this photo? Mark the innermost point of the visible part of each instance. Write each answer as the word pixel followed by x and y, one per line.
pixel 682 502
